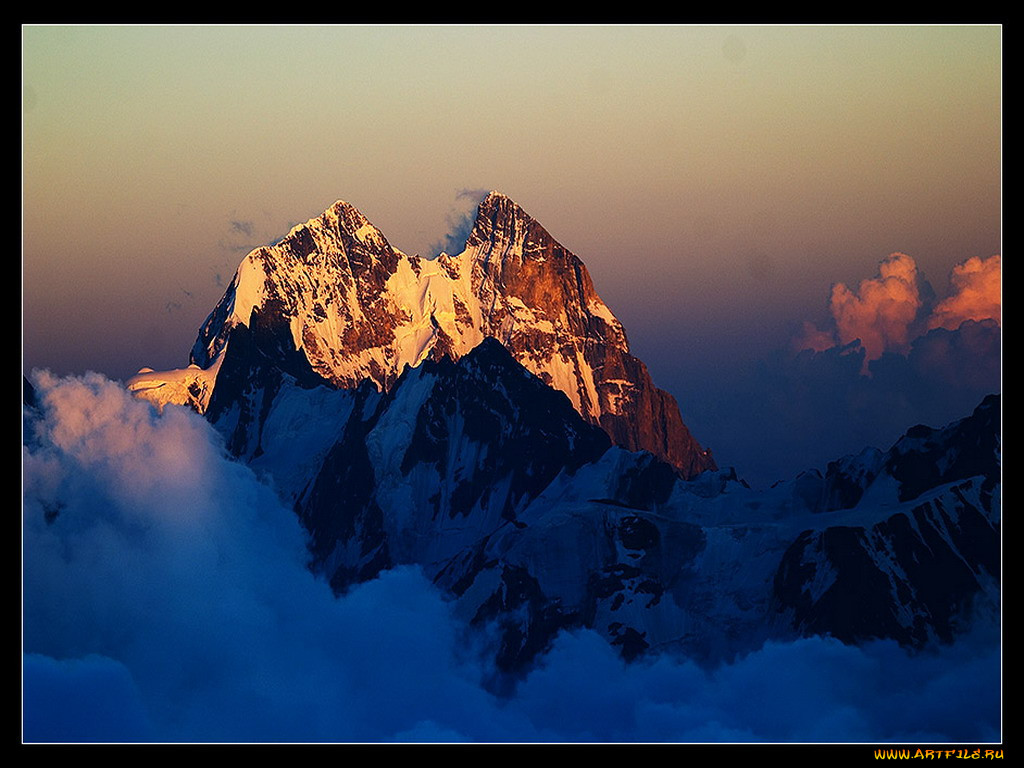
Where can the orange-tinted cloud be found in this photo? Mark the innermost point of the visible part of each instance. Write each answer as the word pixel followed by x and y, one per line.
pixel 888 313
pixel 812 337
pixel 881 310
pixel 976 286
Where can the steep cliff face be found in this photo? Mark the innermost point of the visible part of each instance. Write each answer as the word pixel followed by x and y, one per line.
pixel 542 305
pixel 335 303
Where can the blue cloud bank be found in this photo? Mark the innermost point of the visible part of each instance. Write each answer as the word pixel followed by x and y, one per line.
pixel 167 598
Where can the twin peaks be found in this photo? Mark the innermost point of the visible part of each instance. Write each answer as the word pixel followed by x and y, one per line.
pixel 334 303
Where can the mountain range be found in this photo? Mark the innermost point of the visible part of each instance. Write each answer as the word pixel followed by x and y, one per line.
pixel 481 416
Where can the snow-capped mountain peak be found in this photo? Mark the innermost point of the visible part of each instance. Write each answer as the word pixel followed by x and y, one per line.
pixel 334 301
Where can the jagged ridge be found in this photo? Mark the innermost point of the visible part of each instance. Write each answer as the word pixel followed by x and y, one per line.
pixel 334 301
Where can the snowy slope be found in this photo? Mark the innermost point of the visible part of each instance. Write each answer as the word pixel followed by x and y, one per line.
pixel 509 500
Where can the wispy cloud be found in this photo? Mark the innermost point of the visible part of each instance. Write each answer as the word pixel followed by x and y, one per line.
pixel 459 221
pixel 476 195
pixel 243 227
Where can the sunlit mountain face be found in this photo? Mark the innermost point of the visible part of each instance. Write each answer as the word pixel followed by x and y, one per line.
pixel 404 499
pixel 335 303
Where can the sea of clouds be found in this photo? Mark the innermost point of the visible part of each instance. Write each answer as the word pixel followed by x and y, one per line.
pixel 167 599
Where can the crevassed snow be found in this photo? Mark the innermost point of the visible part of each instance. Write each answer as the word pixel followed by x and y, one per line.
pixel 431 294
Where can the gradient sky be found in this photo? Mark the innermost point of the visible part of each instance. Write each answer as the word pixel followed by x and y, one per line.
pixel 715 180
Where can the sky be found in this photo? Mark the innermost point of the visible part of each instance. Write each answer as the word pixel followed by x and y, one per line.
pixel 717 181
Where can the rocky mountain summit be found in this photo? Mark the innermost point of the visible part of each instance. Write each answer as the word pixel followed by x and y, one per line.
pixel 335 303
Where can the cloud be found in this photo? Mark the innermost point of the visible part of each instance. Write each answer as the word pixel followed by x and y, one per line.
pixel 813 689
pixel 943 369
pixel 476 196
pixel 244 234
pixel 174 563
pixel 887 313
pixel 91 699
pixel 166 597
pixel 459 222
pixel 813 338
pixel 242 227
pixel 976 286
pixel 882 309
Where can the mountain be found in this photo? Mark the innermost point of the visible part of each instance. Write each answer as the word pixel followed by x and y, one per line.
pixel 334 303
pixel 480 416
pixel 929 553
pixel 523 513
